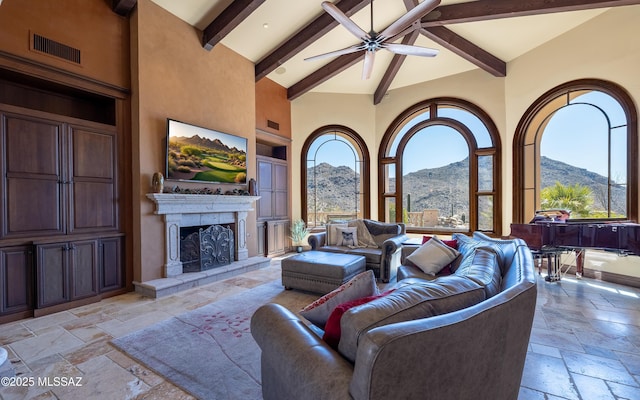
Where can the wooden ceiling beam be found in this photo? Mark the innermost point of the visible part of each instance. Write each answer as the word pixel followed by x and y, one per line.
pixel 123 7
pixel 394 67
pixel 484 10
pixel 304 37
pixel 323 74
pixel 465 49
pixel 227 21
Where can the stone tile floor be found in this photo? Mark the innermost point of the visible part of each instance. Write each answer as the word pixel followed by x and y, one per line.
pixel 585 343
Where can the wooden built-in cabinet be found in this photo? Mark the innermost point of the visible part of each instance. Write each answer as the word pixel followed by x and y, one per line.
pixel 278 241
pixel 66 271
pixel 60 234
pixel 273 206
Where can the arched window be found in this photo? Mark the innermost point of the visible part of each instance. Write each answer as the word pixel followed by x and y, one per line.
pixel 576 148
pixel 440 167
pixel 335 176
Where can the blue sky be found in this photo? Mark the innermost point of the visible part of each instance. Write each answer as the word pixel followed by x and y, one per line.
pixel 576 134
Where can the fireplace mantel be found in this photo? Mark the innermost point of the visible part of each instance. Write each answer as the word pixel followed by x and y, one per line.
pixel 183 210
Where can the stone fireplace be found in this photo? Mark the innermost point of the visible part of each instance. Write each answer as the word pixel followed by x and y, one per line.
pixel 197 210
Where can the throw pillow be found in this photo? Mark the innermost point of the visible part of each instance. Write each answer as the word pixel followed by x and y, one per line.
pixel 332 233
pixel 449 242
pixel 361 285
pixel 347 237
pixel 332 327
pixel 433 256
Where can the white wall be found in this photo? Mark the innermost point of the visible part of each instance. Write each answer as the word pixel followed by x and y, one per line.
pixel 606 47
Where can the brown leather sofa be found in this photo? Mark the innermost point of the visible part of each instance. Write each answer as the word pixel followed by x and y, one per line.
pixel 383 259
pixel 476 352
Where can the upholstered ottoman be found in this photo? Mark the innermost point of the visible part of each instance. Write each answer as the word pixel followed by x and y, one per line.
pixel 320 271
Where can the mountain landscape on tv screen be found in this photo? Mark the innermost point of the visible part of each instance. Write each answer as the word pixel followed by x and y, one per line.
pixel 201 159
pixel 438 188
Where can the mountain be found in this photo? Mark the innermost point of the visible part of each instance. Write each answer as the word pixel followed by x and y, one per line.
pixel 335 187
pixel 199 141
pixel 446 188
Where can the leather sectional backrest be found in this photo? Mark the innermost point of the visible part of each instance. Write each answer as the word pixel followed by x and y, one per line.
pixel 420 299
pixel 482 267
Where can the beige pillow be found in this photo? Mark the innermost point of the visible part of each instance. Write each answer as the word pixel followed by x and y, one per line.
pixel 361 285
pixel 347 236
pixel 433 256
pixel 332 233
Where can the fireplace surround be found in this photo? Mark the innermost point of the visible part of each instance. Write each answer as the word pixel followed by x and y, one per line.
pixel 184 210
pixel 197 210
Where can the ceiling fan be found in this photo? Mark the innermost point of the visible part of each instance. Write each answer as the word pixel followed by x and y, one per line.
pixel 374 41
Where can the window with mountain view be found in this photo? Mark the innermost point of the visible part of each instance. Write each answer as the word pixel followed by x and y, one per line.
pixel 335 174
pixel 439 163
pixel 576 153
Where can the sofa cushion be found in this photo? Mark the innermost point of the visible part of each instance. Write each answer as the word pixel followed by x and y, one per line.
pixel 417 300
pixel 361 285
pixel 433 256
pixel 371 255
pixel 332 332
pixel 467 245
pixel 332 233
pixel 382 231
pixel 483 268
pixel 449 242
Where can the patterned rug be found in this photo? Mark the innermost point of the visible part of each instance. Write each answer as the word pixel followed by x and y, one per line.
pixel 209 352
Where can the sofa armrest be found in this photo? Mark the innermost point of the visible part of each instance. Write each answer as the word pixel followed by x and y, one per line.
pixel 296 363
pixel 391 256
pixel 317 240
pixel 449 347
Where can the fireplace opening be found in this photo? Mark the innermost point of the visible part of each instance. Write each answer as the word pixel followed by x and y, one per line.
pixel 206 247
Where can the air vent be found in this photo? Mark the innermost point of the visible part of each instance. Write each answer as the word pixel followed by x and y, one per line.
pixel 273 125
pixel 56 49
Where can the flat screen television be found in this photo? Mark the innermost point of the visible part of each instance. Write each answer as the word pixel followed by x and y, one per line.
pixel 199 154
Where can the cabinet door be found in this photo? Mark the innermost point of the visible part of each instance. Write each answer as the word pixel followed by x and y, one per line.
pixel 265 189
pixel 93 198
pixel 52 274
pixel 277 237
pixel 111 274
pixel 16 276
pixel 31 187
pixel 262 237
pixel 281 191
pixel 83 258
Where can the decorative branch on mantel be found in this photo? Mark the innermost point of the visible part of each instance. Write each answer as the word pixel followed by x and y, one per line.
pixel 206 190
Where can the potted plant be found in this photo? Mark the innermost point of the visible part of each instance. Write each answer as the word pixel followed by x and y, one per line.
pixel 299 232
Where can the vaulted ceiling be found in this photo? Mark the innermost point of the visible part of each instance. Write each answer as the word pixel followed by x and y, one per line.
pixel 277 35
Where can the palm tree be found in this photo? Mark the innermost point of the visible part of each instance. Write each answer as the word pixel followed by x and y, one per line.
pixel 576 198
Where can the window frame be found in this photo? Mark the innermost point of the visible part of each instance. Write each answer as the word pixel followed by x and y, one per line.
pixel 363 152
pixel 522 212
pixel 432 105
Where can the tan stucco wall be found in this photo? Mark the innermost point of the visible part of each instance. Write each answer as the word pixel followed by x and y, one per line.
pixel 100 35
pixel 176 78
pixel 605 47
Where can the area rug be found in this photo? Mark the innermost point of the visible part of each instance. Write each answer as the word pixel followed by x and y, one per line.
pixel 209 352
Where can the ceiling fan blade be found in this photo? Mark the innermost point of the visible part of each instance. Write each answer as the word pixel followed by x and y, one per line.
pixel 410 50
pixel 369 57
pixel 410 17
pixel 339 16
pixel 347 50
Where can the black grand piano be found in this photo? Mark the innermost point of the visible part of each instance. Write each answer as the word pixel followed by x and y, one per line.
pixel 547 238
